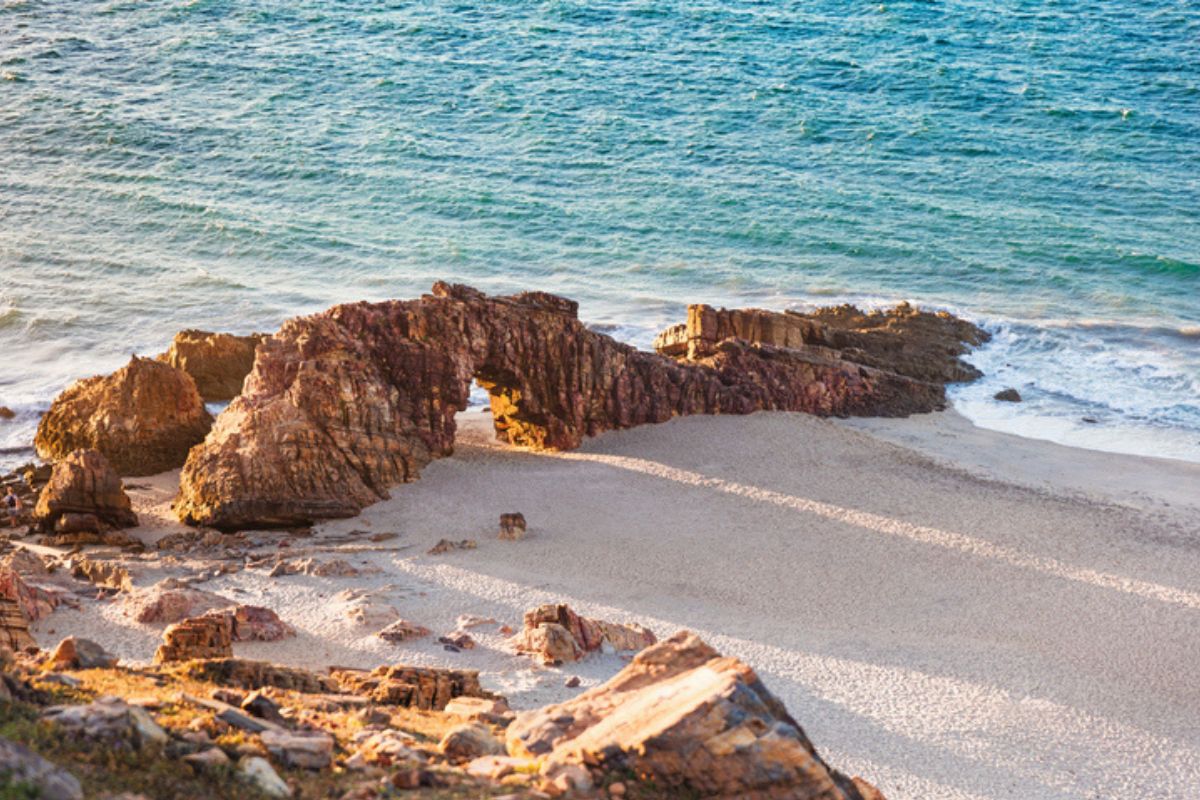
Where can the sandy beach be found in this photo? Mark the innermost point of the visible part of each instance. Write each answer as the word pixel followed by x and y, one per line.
pixel 953 612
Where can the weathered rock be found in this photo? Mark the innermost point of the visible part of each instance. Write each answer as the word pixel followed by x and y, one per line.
pixel 7 413
pixel 254 623
pixel 258 771
pixel 198 637
pixel 402 631
pixel 385 748
pixel 470 741
pixel 556 634
pixel 171 600
pixel 84 485
pixel 1008 396
pixel 459 640
pixel 76 653
pixel 217 362
pixel 109 720
pixel 20 765
pixel 342 405
pixel 14 627
pixel 494 710
pixel 449 546
pixel 426 688
pixel 144 418
pixel 689 720
pixel 308 750
pixel 34 602
pixel 107 574
pixel 246 674
pixel 211 760
pixel 334 568
pixel 512 527
pixel 263 707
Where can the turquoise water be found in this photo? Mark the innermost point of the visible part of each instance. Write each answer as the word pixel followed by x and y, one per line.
pixel 1032 165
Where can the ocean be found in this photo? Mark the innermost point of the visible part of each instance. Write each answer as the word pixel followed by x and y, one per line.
pixel 1032 166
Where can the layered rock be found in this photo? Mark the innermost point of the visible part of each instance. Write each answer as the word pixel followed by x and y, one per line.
pixel 345 404
pixel 688 720
pixel 428 688
pixel 217 362
pixel 84 484
pixel 198 637
pixel 555 634
pixel 14 627
pixel 144 418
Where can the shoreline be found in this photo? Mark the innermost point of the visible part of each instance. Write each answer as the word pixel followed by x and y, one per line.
pixel 947 633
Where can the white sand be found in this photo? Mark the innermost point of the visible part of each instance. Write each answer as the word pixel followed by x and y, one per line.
pixel 933 628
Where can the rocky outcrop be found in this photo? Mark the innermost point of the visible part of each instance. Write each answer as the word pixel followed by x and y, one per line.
pixel 198 637
pixel 254 623
pixel 555 634
pixel 144 418
pixel 428 688
pixel 84 484
pixel 109 720
pixel 26 774
pixel 217 362
pixel 14 627
pixel 171 600
pixel 922 345
pixel 688 720
pixel 345 404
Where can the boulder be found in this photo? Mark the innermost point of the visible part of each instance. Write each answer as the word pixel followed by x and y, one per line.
pixel 144 418
pixel 1007 396
pixel 254 623
pixel 109 720
pixel 343 405
pixel 386 748
pixel 75 653
pixel 7 413
pixel 258 771
pixel 688 720
pixel 470 741
pixel 171 600
pixel 307 750
pixel 217 362
pixel 211 760
pixel 512 527
pixel 556 634
pixel 21 766
pixel 198 637
pixel 84 494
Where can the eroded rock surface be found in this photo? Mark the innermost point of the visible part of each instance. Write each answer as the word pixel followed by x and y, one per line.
pixel 555 634
pixel 210 636
pixel 144 418
pixel 217 362
pixel 688 719
pixel 84 484
pixel 343 405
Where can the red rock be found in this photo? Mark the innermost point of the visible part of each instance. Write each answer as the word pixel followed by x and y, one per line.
pixel 198 637
pixel 217 362
pixel 254 623
pixel 689 721
pixel 343 405
pixel 84 494
pixel 144 418
pixel 171 600
pixel 556 634
pixel 33 602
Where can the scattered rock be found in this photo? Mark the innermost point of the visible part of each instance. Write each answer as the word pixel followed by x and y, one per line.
pixel 290 450
pixel 76 653
pixel 367 610
pixel 402 631
pixel 171 600
pixel 109 720
pixel 447 546
pixel 512 527
pixel 309 750
pixel 144 418
pixel 427 688
pixel 466 621
pixel 217 362
pixel 20 765
pixel 33 601
pixel 469 741
pixel 197 637
pixel 682 697
pixel 84 494
pixel 1008 396
pixel 258 771
pixel 556 634
pixel 495 768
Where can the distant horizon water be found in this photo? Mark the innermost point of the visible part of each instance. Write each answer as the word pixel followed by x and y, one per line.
pixel 1033 167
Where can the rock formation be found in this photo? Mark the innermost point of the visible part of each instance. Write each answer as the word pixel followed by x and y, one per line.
pixel 144 418
pixel 14 627
pixel 556 635
pixel 343 405
pixel 84 484
pixel 688 720
pixel 412 687
pixel 210 636
pixel 217 362
pixel 512 527
pixel 171 600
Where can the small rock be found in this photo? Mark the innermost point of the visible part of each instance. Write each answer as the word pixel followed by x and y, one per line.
pixel 470 741
pixel 20 765
pixel 465 621
pixel 208 760
pixel 497 767
pixel 108 719
pixel 7 413
pixel 459 641
pixel 446 546
pixel 199 637
pixel 1008 396
pixel 263 707
pixel 512 527
pixel 75 653
pixel 300 750
pixel 402 631
pixel 259 772
pixel 616 789
pixel 572 682
pixel 480 709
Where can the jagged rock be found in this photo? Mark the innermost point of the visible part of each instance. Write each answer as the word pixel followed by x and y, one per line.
pixel 1008 396
pixel 922 345
pixel 688 720
pixel 198 637
pixel 144 418
pixel 427 688
pixel 25 562
pixel 448 546
pixel 308 750
pixel 402 631
pixel 76 653
pixel 258 771
pixel 101 573
pixel 110 720
pixel 84 494
pixel 171 600
pixel 33 602
pixel 494 710
pixel 20 765
pixel 512 527
pixel 246 674
pixel 556 634
pixel 334 568
pixel 342 405
pixel 254 623
pixel 469 741
pixel 217 362
pixel 14 627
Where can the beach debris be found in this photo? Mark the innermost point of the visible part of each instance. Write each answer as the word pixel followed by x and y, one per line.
pixel 555 634
pixel 259 772
pixel 110 720
pixel 143 418
pixel 469 741
pixel 512 527
pixel 1007 396
pixel 76 653
pixel 409 366
pixel 428 688
pixel 447 546
pixel 681 696
pixel 402 631
pixel 217 362
pixel 171 600
pixel 196 637
pixel 84 495
pixel 20 766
